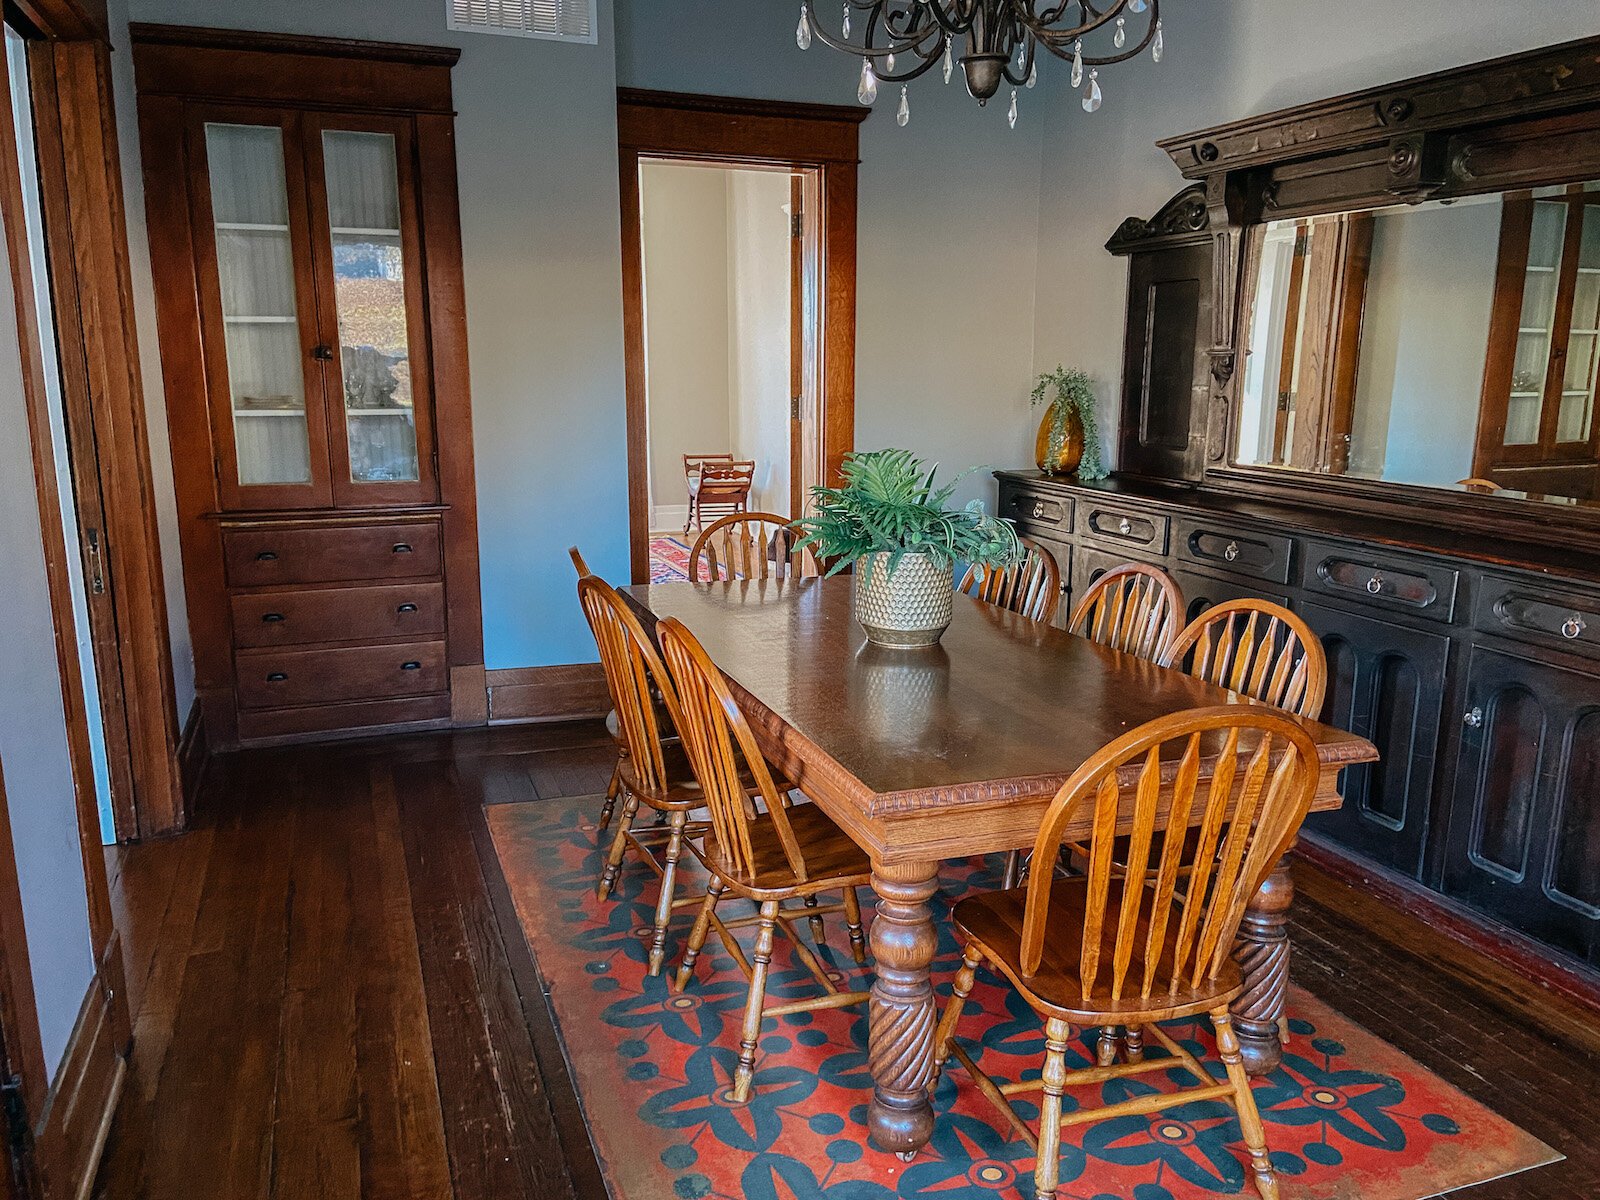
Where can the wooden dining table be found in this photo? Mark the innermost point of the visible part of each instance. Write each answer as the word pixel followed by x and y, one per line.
pixel 948 752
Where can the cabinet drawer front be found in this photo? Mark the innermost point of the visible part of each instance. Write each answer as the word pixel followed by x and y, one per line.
pixel 1382 580
pixel 1124 527
pixel 414 610
pixel 287 678
pixel 1568 620
pixel 261 556
pixel 1036 508
pixel 1235 551
pixel 1202 592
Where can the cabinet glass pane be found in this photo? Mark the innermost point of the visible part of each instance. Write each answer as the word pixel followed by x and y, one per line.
pixel 255 268
pixel 370 299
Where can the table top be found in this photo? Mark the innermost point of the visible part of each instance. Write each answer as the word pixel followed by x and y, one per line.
pixel 1002 709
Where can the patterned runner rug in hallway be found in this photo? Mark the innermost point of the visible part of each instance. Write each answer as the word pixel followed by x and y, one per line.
pixel 669 557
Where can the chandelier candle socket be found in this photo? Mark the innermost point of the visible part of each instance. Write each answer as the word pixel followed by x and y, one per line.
pixel 994 42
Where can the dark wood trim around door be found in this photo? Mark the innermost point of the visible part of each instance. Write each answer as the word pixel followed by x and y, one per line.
pixel 821 139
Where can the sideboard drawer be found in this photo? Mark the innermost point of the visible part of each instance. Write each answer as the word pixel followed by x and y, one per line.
pixel 1144 531
pixel 288 678
pixel 1036 508
pixel 1234 551
pixel 1543 616
pixel 1393 582
pixel 264 556
pixel 413 610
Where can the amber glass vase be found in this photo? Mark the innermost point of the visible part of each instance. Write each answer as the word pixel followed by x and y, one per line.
pixel 1066 460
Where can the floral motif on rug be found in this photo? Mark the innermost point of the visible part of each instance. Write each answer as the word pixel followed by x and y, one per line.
pixel 1347 1115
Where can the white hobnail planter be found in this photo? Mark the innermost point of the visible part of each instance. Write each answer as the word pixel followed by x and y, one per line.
pixel 907 607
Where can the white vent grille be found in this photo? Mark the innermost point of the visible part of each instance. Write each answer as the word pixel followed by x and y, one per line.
pixel 565 20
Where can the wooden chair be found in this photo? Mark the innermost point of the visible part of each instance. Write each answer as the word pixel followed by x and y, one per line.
pixel 1258 649
pixel 1094 951
pixel 716 483
pixel 785 853
pixel 614 788
pixel 755 545
pixel 1031 587
pixel 1134 608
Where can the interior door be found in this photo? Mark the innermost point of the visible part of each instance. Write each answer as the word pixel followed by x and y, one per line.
pixel 362 192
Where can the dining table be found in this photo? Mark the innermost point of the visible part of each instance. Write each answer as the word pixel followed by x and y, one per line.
pixel 948 752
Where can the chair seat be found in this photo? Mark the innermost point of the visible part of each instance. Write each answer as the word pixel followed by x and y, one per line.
pixel 995 920
pixel 832 859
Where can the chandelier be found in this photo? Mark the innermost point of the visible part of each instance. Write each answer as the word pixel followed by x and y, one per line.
pixel 994 42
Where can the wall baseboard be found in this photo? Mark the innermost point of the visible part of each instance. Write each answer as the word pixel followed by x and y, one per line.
pixel 668 518
pixel 469 695
pixel 564 693
pixel 194 756
pixel 71 1132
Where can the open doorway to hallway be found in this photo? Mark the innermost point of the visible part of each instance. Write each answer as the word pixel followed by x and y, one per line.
pixel 724 318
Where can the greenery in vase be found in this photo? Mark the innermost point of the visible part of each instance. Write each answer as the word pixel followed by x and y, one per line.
pixel 888 505
pixel 1067 391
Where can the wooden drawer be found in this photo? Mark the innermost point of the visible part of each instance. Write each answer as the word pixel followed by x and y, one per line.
pixel 1202 591
pixel 263 556
pixel 402 610
pixel 1543 616
pixel 1388 581
pixel 1115 525
pixel 1234 551
pixel 289 678
pixel 1028 507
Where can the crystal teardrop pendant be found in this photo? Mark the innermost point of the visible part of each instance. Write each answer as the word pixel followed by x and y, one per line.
pixel 868 91
pixel 1092 97
pixel 846 20
pixel 902 116
pixel 1077 64
pixel 949 58
pixel 888 65
pixel 1012 115
pixel 1120 38
pixel 1138 6
pixel 1159 46
pixel 1033 74
pixel 802 35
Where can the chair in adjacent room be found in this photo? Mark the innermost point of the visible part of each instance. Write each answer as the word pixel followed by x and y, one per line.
pixel 1258 649
pixel 1134 608
pixel 1093 951
pixel 788 852
pixel 717 483
pixel 756 545
pixel 1031 587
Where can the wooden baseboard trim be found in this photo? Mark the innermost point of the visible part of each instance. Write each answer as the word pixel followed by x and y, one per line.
pixel 71 1132
pixel 469 695
pixel 1516 952
pixel 564 693
pixel 194 756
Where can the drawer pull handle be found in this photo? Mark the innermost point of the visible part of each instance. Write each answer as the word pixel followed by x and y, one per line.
pixel 1231 552
pixel 1573 627
pixel 272 618
pixel 267 556
pixel 411 666
pixel 1474 718
pixel 1125 527
pixel 407 608
pixel 402 548
pixel 1375 584
pixel 1038 509
pixel 277 677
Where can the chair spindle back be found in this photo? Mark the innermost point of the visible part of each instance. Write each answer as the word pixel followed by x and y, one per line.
pixel 1263 779
pixel 1134 608
pixel 635 676
pixel 1257 649
pixel 1031 587
pixel 756 545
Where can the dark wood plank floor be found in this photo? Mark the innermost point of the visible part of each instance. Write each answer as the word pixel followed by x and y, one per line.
pixel 332 999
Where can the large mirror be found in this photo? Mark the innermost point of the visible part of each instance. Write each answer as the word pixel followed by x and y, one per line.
pixel 1446 344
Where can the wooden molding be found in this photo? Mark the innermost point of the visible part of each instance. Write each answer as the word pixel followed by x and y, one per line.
pixel 564 693
pixel 66 19
pixel 154 34
pixel 469 695
pixel 194 756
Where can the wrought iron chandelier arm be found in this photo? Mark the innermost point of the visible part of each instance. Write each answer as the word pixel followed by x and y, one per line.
pixel 912 45
pixel 1039 24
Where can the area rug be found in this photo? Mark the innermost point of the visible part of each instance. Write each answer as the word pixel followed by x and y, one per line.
pixel 669 558
pixel 1348 1116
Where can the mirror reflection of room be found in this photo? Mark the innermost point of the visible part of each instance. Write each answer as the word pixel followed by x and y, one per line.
pixel 1445 344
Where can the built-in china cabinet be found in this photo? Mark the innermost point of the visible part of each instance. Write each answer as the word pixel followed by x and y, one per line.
pixel 306 249
pixel 1361 378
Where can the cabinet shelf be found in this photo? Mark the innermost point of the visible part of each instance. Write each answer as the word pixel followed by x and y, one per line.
pixel 261 320
pixel 269 412
pixel 359 231
pixel 250 227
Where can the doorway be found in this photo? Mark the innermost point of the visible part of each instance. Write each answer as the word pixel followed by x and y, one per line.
pixel 732 351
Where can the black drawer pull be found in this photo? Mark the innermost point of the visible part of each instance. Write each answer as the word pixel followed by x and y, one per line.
pixel 411 666
pixel 407 608
pixel 277 677
pixel 402 547
pixel 272 618
pixel 267 556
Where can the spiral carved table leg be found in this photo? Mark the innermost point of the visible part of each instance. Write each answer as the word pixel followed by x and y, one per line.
pixel 902 1015
pixel 1262 952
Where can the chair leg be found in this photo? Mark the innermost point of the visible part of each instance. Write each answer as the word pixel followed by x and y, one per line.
pixel 1106 1048
pixel 819 932
pixel 852 922
pixel 613 789
pixel 753 1006
pixel 669 885
pixel 1255 1137
pixel 1135 1043
pixel 697 935
pixel 1013 871
pixel 1047 1171
pixel 960 990
pixel 619 846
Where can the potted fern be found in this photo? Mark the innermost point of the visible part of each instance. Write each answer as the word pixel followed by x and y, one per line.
pixel 892 523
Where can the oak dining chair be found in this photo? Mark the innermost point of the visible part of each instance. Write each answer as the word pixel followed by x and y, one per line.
pixel 1258 649
pixel 1092 951
pixel 614 788
pixel 1031 587
pixel 716 483
pixel 1134 608
pixel 788 852
pixel 757 545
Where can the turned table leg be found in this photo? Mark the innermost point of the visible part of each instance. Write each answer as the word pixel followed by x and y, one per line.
pixel 1262 952
pixel 901 1013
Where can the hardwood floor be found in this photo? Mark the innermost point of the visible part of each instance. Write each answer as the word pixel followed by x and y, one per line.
pixel 332 998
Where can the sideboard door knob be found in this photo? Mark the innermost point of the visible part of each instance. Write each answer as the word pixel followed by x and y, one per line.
pixel 1232 551
pixel 1125 526
pixel 1474 718
pixel 1573 628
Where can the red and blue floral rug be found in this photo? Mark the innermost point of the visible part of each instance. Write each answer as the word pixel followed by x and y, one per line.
pixel 669 557
pixel 1348 1116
